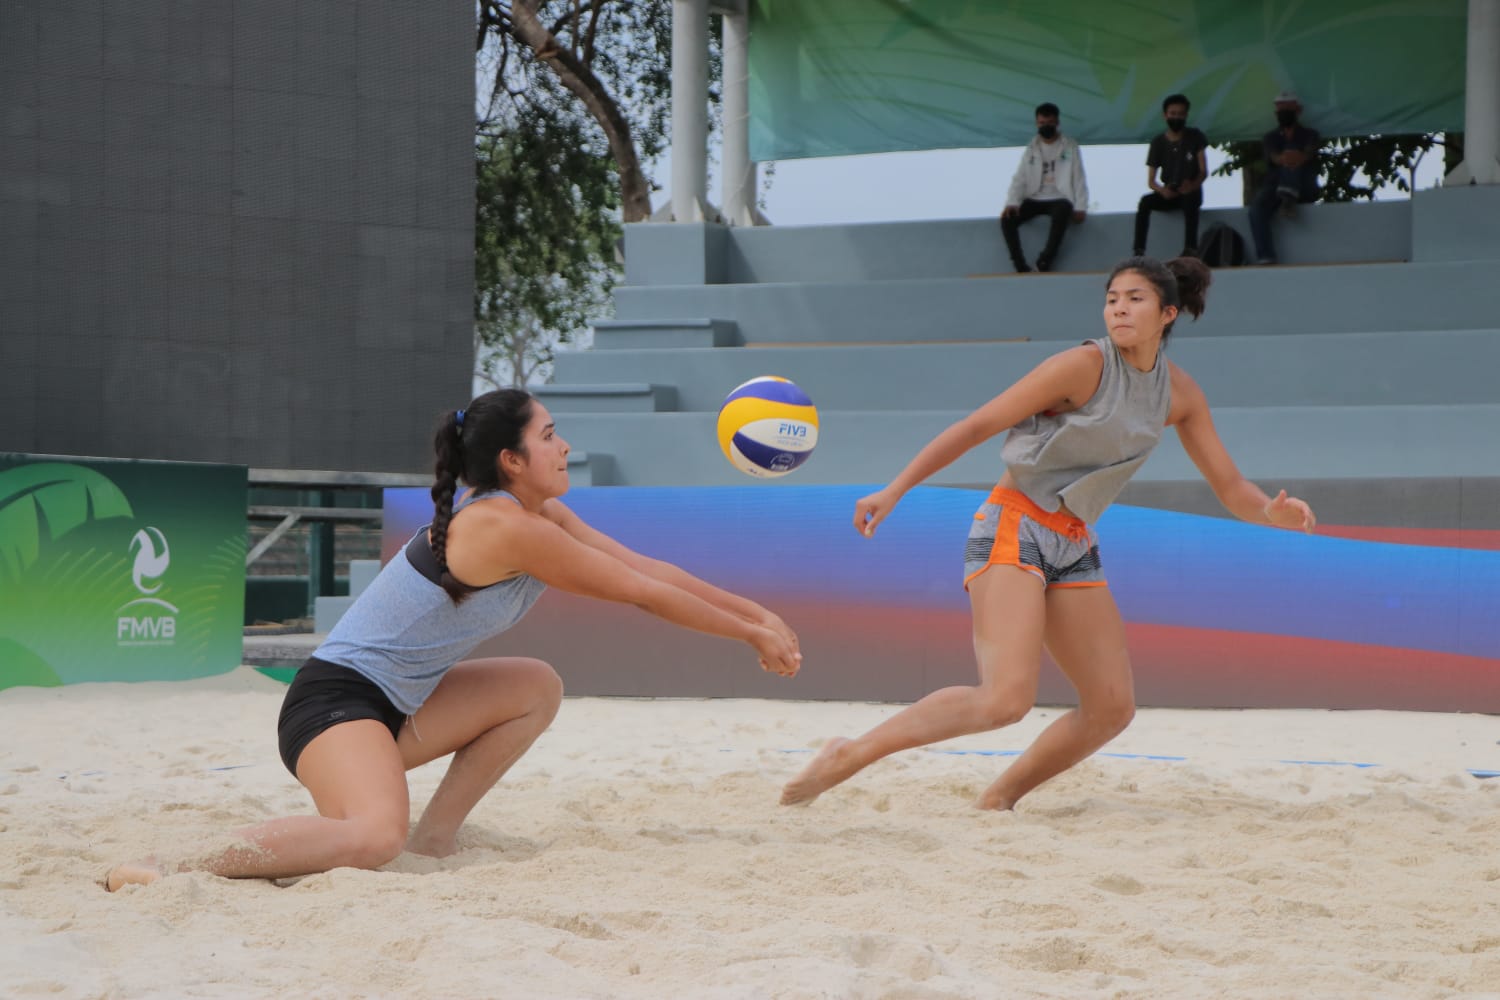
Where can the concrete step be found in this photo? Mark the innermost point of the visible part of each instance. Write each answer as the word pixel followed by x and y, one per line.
pixel 606 397
pixel 664 332
pixel 362 573
pixel 1267 443
pixel 956 248
pixel 328 610
pixel 1244 301
pixel 1401 367
pixel 587 468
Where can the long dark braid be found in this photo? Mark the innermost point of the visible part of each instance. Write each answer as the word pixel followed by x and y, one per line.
pixel 448 443
pixel 468 444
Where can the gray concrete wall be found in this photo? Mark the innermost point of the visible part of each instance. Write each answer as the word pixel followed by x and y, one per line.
pixel 1268 443
pixel 235 232
pixel 669 254
pixel 1354 298
pixel 1373 370
pixel 1398 368
pixel 1456 224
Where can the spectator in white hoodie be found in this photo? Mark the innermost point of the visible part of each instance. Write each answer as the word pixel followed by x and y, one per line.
pixel 1048 182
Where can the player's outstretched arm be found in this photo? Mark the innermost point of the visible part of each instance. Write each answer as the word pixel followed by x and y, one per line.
pixel 1065 379
pixel 1241 497
pixel 659 569
pixel 537 546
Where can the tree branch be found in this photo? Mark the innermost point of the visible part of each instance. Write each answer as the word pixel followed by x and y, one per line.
pixel 501 65
pixel 574 16
pixel 593 32
pixel 578 78
pixel 492 17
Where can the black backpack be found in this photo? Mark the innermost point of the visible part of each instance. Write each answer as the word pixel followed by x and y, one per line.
pixel 1222 246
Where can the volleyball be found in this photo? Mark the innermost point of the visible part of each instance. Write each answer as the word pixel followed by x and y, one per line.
pixel 767 427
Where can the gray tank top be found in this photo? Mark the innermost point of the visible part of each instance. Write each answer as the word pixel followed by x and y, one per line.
pixel 1085 457
pixel 404 632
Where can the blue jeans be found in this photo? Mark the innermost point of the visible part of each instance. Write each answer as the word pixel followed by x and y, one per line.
pixel 1299 182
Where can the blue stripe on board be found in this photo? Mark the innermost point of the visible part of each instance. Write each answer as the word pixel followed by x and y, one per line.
pixel 1283 583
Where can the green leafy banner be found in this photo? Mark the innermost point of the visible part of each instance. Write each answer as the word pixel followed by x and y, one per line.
pixel 119 571
pixel 866 76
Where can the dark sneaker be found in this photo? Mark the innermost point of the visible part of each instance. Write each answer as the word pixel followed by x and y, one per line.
pixel 1044 264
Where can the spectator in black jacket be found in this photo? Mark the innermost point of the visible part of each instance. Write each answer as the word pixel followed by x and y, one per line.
pixel 1175 170
pixel 1292 155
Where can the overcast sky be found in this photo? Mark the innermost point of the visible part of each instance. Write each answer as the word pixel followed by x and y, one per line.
pixel 957 184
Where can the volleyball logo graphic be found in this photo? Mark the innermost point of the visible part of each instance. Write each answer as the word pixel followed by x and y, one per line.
pixel 152 558
pixel 767 427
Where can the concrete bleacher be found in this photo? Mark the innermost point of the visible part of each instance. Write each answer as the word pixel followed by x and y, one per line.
pixel 1368 353
pixel 900 251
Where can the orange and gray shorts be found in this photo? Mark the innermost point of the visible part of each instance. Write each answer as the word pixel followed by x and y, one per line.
pixel 1010 530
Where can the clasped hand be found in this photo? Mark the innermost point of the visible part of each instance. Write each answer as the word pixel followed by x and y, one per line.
pixel 777 646
pixel 1289 512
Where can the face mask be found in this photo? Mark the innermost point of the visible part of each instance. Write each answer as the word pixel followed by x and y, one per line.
pixel 1046 131
pixel 1176 124
pixel 1286 117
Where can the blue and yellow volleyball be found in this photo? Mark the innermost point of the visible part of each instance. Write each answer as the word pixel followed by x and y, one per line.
pixel 768 427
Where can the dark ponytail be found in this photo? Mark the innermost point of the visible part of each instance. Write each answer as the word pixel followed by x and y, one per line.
pixel 1193 278
pixel 1182 282
pixel 468 444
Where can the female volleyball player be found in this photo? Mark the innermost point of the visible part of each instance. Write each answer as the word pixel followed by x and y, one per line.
pixel 389 689
pixel 1080 425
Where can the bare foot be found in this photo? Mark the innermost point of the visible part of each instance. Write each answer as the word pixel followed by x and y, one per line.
pixel 828 767
pixel 133 873
pixel 993 798
pixel 432 847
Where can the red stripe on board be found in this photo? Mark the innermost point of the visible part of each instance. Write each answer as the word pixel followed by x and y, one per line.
pixel 1443 538
pixel 1189 667
pixel 871 653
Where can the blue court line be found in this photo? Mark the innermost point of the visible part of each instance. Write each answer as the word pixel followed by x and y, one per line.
pixel 1150 756
pixel 1017 753
pixel 1170 758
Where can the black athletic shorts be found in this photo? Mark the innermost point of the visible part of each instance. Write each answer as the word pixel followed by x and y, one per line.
pixel 321 696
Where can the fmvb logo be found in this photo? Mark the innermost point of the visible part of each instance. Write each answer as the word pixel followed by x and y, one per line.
pixel 147 620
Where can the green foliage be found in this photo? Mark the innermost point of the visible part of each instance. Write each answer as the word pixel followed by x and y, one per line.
pixel 1349 167
pixel 607 63
pixel 575 101
pixel 625 46
pixel 545 231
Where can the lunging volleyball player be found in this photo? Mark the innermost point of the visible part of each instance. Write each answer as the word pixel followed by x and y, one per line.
pixel 1081 423
pixel 390 689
